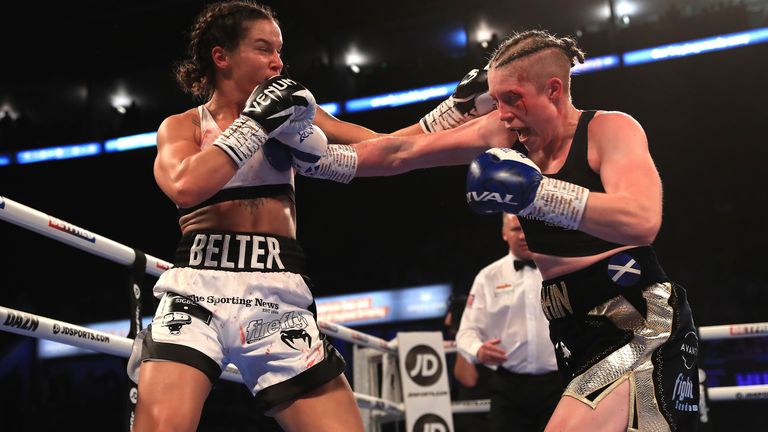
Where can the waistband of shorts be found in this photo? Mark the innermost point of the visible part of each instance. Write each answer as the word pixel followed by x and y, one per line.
pixel 624 273
pixel 239 252
pixel 506 372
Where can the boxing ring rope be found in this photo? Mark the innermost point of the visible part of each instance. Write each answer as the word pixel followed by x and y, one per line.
pixel 72 235
pixel 27 324
pixel 70 334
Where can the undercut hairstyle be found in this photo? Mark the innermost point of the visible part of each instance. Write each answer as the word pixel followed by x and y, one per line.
pixel 525 44
pixel 552 56
pixel 221 24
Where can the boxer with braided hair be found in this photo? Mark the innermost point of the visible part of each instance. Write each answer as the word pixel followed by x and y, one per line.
pixel 589 197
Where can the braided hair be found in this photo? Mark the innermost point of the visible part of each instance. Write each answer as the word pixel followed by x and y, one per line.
pixel 219 24
pixel 532 42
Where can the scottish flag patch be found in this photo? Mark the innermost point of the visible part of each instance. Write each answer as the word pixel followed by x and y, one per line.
pixel 624 270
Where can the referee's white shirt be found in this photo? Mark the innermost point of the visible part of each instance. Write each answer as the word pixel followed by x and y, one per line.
pixel 506 304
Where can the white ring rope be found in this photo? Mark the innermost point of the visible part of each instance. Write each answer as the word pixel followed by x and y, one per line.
pixel 733 331
pixel 82 337
pixel 739 393
pixel 70 234
pixel 27 324
pixel 65 232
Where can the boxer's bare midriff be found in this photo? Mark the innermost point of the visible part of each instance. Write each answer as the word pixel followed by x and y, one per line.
pixel 273 215
pixel 554 266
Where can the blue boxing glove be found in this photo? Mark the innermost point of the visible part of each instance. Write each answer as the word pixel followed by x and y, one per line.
pixel 277 105
pixel 505 180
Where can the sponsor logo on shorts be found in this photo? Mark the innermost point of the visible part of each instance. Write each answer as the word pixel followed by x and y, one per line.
pixel 2 202
pixel 689 349
pixel 175 321
pixel 70 229
pixel 624 270
pixel 289 337
pixel 555 301
pixel 21 321
pixel 270 307
pixel 79 333
pixel 683 394
pixel 257 330
pixel 430 423
pixel 423 365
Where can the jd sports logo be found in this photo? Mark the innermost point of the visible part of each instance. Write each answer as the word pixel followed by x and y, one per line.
pixel 430 423
pixel 423 365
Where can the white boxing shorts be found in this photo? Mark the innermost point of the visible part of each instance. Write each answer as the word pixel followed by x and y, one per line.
pixel 240 298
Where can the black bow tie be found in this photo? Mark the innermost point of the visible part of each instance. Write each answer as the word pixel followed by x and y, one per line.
pixel 519 264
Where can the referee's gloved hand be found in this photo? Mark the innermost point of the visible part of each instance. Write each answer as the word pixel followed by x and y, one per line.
pixel 490 354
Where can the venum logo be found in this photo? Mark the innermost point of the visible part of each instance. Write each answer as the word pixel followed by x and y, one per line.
pixel 289 337
pixel 272 92
pixel 469 77
pixel 423 365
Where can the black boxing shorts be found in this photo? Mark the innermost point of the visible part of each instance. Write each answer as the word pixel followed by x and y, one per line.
pixel 621 319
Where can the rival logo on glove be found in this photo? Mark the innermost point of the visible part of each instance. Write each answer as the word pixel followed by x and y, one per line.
pixel 490 196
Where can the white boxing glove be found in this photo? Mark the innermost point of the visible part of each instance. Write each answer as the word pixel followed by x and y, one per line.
pixel 470 99
pixel 278 105
pixel 307 146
